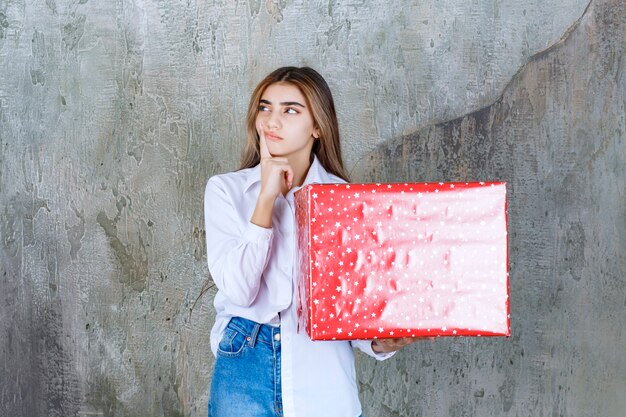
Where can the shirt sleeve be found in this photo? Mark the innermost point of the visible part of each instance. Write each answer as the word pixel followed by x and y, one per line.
pixel 365 346
pixel 236 254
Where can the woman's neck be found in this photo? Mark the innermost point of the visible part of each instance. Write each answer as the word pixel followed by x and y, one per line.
pixel 300 168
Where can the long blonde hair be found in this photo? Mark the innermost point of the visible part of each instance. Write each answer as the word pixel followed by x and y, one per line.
pixel 317 93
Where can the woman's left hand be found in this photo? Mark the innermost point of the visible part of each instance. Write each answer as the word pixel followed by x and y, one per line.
pixel 391 345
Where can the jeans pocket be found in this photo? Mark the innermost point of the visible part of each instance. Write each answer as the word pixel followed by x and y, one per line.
pixel 232 344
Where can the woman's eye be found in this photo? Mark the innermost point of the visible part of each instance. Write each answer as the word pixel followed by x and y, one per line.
pixel 263 108
pixel 291 110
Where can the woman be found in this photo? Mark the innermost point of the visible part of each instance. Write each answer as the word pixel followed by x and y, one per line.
pixel 264 365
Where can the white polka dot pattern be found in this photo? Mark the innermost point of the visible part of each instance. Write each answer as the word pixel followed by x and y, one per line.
pixel 397 260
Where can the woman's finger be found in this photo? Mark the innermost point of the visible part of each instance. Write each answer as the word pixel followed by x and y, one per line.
pixel 390 345
pixel 265 152
pixel 287 173
pixel 289 176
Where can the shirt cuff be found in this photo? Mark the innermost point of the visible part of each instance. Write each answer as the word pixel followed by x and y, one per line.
pixel 257 234
pixel 365 346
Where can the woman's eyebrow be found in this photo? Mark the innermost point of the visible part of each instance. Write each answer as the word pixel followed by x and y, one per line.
pixel 284 103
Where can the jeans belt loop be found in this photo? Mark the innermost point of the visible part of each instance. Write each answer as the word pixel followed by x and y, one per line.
pixel 254 334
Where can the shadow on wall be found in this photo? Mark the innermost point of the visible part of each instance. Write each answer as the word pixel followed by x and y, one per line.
pixel 556 136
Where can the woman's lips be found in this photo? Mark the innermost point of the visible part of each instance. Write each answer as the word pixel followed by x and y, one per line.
pixel 274 138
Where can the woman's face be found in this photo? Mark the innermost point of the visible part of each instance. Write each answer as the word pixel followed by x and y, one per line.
pixel 287 121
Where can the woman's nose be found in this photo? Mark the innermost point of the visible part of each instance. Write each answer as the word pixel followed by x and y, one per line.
pixel 272 121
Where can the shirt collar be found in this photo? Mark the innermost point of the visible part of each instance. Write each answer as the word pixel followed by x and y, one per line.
pixel 253 176
pixel 316 174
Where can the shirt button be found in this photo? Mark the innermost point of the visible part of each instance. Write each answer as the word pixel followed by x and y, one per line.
pixel 277 337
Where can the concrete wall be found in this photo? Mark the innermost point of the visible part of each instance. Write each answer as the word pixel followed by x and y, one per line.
pixel 113 115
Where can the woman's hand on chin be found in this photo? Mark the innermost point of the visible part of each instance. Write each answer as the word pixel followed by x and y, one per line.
pixel 276 173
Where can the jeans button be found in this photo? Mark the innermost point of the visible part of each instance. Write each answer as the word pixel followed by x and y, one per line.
pixel 277 337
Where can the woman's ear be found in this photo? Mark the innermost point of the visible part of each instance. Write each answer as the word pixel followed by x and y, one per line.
pixel 316 133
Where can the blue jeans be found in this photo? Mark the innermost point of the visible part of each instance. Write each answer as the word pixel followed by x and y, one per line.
pixel 246 376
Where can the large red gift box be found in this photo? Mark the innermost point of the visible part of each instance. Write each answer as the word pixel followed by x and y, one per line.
pixel 397 260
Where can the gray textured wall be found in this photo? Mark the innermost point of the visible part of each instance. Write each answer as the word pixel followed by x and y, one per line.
pixel 113 115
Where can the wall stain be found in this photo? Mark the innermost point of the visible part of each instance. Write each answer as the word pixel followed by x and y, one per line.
pixel 9 233
pixel 390 412
pixel 507 392
pixel 102 396
pixel 132 258
pixel 52 5
pixel 332 34
pixel 162 110
pixel 4 24
pixel 135 147
pixel 76 233
pixel 199 239
pixel 38 48
pixel 132 64
pixel 41 373
pixel 73 32
pixel 25 209
pixel 573 244
pixel 275 8
pixel 254 6
pixel 55 364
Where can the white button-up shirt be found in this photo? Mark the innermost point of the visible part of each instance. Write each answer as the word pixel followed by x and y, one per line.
pixel 255 273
